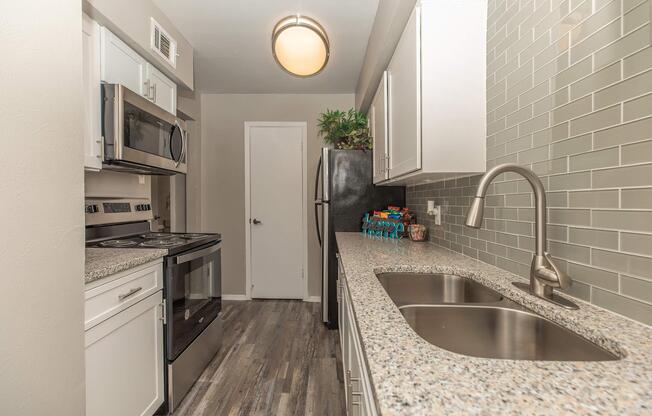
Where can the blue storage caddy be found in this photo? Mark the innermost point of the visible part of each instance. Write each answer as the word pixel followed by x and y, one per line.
pixel 382 227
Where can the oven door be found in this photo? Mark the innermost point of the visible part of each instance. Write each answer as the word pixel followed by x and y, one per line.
pixel 193 295
pixel 139 135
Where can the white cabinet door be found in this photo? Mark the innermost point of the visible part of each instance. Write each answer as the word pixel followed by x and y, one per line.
pixel 404 86
pixel 124 361
pixel 379 131
pixel 121 64
pixel 357 387
pixel 92 104
pixel 163 91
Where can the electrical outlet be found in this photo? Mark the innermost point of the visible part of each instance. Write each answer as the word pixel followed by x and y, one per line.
pixel 434 211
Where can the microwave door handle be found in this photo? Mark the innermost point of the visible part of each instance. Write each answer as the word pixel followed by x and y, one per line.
pixel 184 258
pixel 184 145
pixel 184 148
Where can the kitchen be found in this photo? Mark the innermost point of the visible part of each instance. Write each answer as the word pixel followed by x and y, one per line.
pixel 368 207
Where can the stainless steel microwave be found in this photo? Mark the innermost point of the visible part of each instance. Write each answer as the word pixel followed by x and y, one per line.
pixel 139 136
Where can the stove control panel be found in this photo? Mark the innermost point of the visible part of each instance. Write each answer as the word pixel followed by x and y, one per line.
pixel 113 211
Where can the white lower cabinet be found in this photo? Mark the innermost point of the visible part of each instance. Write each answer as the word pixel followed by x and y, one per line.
pixel 357 386
pixel 124 358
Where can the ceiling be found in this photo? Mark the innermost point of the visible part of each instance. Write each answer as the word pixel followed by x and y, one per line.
pixel 232 42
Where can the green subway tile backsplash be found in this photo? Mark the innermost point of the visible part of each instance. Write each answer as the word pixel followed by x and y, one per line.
pixel 569 96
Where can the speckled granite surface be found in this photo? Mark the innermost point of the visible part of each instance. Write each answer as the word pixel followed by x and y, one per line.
pixel 103 262
pixel 413 377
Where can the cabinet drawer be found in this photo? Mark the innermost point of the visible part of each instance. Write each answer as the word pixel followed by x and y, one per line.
pixel 106 300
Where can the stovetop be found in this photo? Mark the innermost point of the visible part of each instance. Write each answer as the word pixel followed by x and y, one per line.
pixel 173 242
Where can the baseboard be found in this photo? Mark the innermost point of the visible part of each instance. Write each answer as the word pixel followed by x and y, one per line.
pixel 235 297
pixel 315 299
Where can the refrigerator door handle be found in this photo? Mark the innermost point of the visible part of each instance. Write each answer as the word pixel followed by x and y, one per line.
pixel 318 201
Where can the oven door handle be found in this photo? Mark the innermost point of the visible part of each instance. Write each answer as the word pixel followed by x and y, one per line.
pixel 184 258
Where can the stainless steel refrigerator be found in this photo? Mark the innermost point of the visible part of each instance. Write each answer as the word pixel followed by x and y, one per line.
pixel 344 192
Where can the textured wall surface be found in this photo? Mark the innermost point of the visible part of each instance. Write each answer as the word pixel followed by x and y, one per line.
pixel 569 94
pixel 41 216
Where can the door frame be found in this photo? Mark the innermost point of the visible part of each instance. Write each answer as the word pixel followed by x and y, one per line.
pixel 304 185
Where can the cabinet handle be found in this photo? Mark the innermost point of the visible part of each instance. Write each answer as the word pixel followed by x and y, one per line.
pixel 147 87
pixel 130 293
pixel 99 156
pixel 154 99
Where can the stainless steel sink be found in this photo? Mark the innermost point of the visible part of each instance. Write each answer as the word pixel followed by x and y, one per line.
pixel 428 289
pixel 500 332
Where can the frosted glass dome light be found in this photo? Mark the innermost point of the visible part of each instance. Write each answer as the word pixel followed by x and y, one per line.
pixel 300 46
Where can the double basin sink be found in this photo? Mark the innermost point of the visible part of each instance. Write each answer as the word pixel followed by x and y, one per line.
pixel 466 317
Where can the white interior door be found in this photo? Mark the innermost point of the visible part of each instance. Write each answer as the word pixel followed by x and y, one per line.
pixel 276 158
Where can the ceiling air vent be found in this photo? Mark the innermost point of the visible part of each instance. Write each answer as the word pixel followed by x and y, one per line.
pixel 164 44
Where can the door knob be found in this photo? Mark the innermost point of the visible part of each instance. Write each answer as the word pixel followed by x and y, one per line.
pixel 256 222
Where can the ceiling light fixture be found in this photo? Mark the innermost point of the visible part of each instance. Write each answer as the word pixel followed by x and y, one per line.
pixel 300 45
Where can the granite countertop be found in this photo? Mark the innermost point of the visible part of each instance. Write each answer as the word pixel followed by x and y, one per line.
pixel 103 262
pixel 413 377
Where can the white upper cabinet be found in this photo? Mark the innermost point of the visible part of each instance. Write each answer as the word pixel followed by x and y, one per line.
pixel 437 95
pixel 162 91
pixel 404 83
pixel 378 126
pixel 92 104
pixel 122 65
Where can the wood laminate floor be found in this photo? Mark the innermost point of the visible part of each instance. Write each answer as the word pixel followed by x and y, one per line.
pixel 277 359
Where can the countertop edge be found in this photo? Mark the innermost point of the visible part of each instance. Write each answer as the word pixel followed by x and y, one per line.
pixel 104 262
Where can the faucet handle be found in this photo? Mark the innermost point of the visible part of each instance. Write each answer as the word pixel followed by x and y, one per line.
pixel 552 275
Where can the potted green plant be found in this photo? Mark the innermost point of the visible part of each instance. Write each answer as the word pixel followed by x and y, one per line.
pixel 345 129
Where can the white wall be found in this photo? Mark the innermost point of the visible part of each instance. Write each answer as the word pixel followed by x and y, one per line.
pixel 112 184
pixel 42 222
pixel 190 104
pixel 222 160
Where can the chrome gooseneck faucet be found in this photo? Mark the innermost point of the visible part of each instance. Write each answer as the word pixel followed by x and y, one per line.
pixel 544 274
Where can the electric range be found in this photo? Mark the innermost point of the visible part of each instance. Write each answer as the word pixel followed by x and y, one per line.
pixel 191 289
